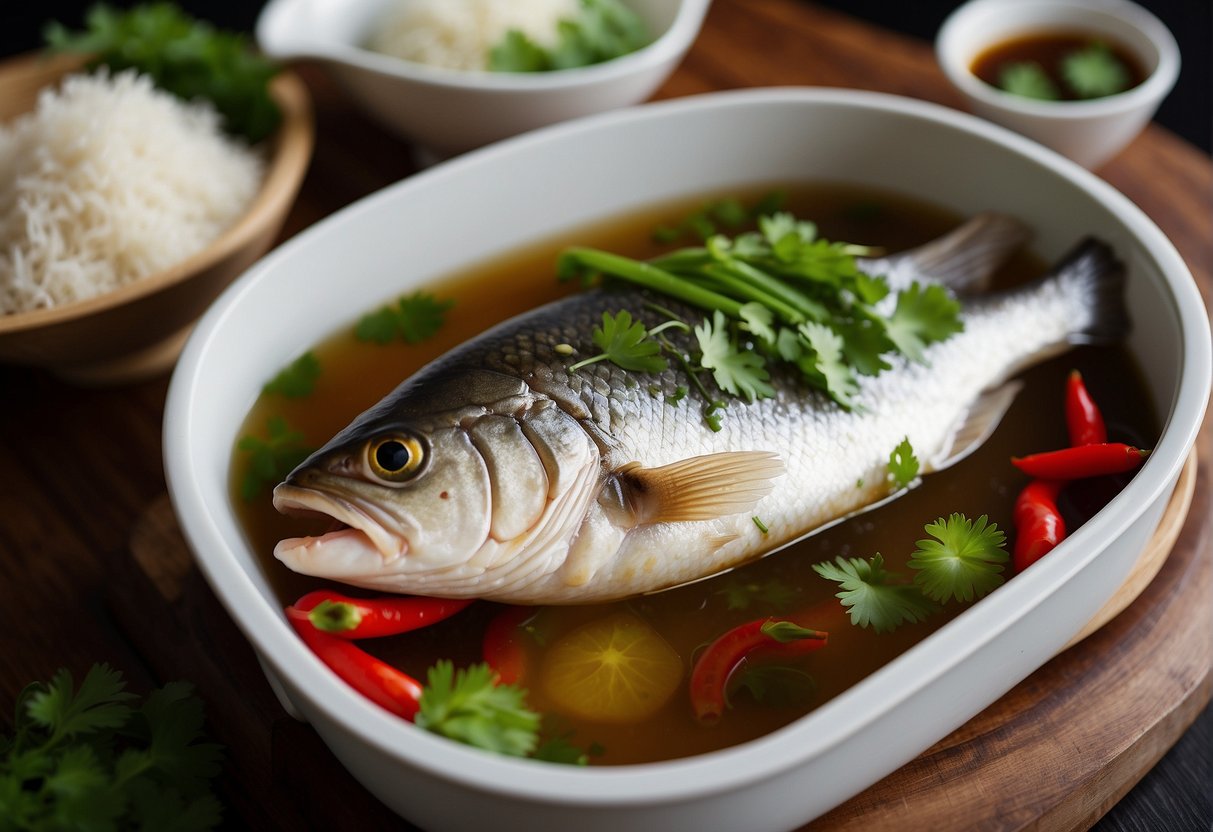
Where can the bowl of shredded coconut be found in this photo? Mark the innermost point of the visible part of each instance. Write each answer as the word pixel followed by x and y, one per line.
pixel 452 75
pixel 125 210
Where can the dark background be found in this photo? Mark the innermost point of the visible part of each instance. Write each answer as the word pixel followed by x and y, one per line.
pixel 1175 796
pixel 1188 110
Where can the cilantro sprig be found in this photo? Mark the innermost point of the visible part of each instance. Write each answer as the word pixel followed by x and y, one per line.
pixel 903 464
pixel 962 560
pixel 298 379
pixel 603 30
pixel 269 460
pixel 780 293
pixel 189 58
pixel 413 318
pixel 469 706
pixel 93 757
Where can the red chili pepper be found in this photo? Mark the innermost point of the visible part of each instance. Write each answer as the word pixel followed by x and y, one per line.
pixel 375 679
pixel 1038 523
pixel 390 615
pixel 711 674
pixel 503 648
pixel 1083 461
pixel 1083 417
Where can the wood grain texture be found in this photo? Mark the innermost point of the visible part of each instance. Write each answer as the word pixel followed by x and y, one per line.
pixel 92 567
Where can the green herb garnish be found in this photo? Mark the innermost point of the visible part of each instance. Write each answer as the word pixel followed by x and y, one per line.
pixel 777 685
pixel 561 750
pixel 189 58
pixel 1094 72
pixel 413 318
pixel 272 458
pixel 903 465
pixel 296 380
pixel 603 30
pixel 780 293
pixel 964 560
pixel 762 527
pixel 1029 80
pixel 94 758
pixel 626 344
pixel 469 706
pixel 872 596
pixel 773 594
pixel 728 212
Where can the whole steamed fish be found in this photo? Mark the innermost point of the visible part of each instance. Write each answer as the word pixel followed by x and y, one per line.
pixel 496 473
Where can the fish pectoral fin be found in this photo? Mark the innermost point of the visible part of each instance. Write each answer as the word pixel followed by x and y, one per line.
pixel 698 488
pixel 975 425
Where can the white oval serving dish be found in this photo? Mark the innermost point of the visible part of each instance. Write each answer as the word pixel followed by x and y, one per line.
pixel 571 174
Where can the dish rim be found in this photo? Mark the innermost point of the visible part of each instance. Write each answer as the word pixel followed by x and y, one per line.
pixel 738 766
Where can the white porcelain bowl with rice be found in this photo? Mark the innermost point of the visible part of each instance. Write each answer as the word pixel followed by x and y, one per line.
pixel 625 161
pixel 452 110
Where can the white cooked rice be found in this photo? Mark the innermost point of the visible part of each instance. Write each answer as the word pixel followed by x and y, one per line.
pixel 458 34
pixel 107 181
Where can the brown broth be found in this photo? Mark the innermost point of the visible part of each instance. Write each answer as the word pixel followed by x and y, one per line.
pixel 356 375
pixel 1048 50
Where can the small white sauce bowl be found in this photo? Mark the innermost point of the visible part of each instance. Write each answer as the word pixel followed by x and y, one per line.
pixel 449 111
pixel 1089 132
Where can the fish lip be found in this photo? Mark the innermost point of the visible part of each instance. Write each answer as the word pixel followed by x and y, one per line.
pixel 288 498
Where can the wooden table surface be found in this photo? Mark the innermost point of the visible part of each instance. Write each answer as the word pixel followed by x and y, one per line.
pixel 92 567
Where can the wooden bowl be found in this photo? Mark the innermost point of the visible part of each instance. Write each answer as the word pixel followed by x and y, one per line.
pixel 138 330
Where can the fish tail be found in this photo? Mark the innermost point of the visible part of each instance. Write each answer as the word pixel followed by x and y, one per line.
pixel 1096 278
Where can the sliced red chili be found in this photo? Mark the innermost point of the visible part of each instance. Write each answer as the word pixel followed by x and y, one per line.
pixel 717 664
pixel 503 648
pixel 1039 525
pixel 354 618
pixel 375 679
pixel 1083 417
pixel 1082 461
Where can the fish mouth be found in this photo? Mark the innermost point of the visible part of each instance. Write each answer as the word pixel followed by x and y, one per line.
pixel 357 536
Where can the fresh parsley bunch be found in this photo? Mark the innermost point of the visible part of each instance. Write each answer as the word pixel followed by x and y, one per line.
pixel 94 758
pixel 187 57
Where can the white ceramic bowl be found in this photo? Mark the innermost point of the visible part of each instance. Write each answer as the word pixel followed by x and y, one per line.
pixel 600 167
pixel 1089 132
pixel 449 111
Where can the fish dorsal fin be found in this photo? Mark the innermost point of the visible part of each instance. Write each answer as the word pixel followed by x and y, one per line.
pixel 964 259
pixel 698 488
pixel 975 425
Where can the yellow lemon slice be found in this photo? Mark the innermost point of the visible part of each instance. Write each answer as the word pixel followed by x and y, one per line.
pixel 616 669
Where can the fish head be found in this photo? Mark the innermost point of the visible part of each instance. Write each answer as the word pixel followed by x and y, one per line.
pixel 437 484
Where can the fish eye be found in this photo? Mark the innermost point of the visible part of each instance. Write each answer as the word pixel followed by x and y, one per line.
pixel 395 458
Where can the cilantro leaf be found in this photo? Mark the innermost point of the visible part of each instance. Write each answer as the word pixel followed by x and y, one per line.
pixel 297 379
pixel 414 318
pixel 963 561
pixel 923 315
pixel 518 53
pixel 870 597
pixel 903 465
pixel 759 319
pixel 736 371
pixel 773 594
pixel 86 758
pixel 269 460
pixel 1029 80
pixel 1094 72
pixel 561 750
pixel 777 685
pixel 625 343
pixel 189 58
pixel 468 706
pixel 827 363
